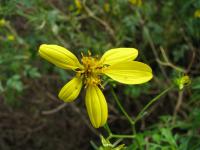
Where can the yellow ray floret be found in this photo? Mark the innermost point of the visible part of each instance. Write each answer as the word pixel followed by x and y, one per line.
pixel 129 72
pixel 71 90
pixel 59 56
pixel 117 55
pixel 96 106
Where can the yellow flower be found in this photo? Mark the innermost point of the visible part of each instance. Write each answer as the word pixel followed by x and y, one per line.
pixel 116 63
pixel 106 7
pixel 10 37
pixel 197 13
pixel 78 4
pixel 136 2
pixel 2 22
pixel 183 81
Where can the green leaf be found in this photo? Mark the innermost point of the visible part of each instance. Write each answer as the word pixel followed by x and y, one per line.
pixel 1 87
pixel 166 132
pixel 105 143
pixel 196 84
pixel 15 83
pixel 31 72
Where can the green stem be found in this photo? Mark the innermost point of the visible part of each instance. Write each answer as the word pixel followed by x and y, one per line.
pixel 107 128
pixel 94 145
pixel 150 103
pixel 121 107
pixel 111 135
pixel 121 136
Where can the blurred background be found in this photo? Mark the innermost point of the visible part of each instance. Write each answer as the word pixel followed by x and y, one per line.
pixel 167 34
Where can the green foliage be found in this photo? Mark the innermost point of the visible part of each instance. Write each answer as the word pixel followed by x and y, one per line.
pixel 136 91
pixel 106 145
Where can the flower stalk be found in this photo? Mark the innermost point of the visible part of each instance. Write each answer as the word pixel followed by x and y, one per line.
pixel 121 107
pixel 139 116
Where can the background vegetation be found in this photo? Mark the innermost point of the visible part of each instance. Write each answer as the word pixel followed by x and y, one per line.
pixel 167 34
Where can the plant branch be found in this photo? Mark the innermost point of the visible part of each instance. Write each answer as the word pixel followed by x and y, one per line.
pixel 121 107
pixel 150 103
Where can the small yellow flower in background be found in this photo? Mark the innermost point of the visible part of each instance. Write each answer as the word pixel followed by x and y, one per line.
pixel 10 37
pixel 106 7
pixel 183 81
pixel 136 2
pixel 197 13
pixel 116 63
pixel 78 4
pixel 2 22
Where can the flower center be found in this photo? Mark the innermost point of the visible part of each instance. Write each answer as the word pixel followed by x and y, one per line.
pixel 91 70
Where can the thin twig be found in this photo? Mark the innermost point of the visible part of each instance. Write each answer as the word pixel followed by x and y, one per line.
pixel 102 22
pixel 167 62
pixel 170 65
pixel 192 49
pixel 178 105
pixel 54 110
pixel 139 116
pixel 155 52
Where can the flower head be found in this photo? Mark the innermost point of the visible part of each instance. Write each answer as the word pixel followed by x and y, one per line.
pixel 2 22
pixel 183 81
pixel 136 2
pixel 10 37
pixel 116 63
pixel 197 13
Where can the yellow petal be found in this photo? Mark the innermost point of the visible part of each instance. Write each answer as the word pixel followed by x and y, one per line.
pixel 59 56
pixel 130 72
pixel 118 55
pixel 71 90
pixel 96 106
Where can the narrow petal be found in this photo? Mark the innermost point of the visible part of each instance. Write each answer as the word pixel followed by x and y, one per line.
pixel 71 90
pixel 103 104
pixel 59 56
pixel 131 72
pixel 118 55
pixel 96 106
